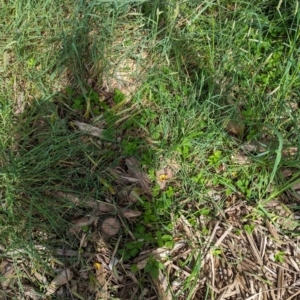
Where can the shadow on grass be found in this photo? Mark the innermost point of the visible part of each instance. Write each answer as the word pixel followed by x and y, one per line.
pixel 49 156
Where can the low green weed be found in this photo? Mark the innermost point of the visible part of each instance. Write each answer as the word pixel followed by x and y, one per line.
pixel 279 257
pixel 153 266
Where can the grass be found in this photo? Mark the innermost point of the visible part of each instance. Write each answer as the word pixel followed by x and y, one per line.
pixel 194 151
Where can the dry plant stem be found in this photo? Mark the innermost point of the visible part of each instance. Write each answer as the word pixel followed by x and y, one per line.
pixel 67 283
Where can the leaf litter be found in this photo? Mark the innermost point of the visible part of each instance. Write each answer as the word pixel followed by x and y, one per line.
pixel 89 129
pixel 235 262
pixel 61 279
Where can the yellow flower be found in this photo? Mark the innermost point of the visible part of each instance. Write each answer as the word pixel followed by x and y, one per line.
pixel 163 177
pixel 97 266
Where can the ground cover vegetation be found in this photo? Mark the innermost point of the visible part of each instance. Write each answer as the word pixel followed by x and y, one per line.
pixel 149 149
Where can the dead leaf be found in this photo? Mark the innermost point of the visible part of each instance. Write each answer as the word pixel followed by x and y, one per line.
pixel 235 127
pixel 20 104
pixel 162 286
pixel 99 206
pixel 3 265
pixel 285 217
pixel 127 180
pixel 128 213
pixel 7 270
pixel 66 252
pixel 240 159
pixel 62 278
pixel 265 145
pixel 135 194
pixel 89 129
pixel 159 254
pixel 296 187
pixel 41 278
pixel 257 146
pixel 81 222
pixel 110 226
pixel 134 169
pixel 30 292
pixel 286 172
